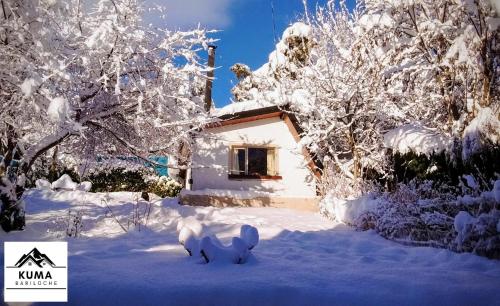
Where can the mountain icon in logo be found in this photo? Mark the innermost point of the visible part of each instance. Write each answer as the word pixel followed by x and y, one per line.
pixel 36 257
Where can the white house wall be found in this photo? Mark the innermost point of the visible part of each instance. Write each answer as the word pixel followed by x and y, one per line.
pixel 211 159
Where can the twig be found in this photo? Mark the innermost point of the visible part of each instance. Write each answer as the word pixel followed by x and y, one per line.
pixel 113 215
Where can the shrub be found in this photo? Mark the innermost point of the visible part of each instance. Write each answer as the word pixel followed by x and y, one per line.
pixel 446 170
pixel 137 180
pixel 165 187
pixel 118 179
pixel 419 214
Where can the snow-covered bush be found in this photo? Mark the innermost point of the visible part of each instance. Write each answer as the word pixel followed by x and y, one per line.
pixel 480 234
pixel 477 224
pixel 416 213
pixel 420 214
pixel 137 179
pixel 164 187
pixel 482 133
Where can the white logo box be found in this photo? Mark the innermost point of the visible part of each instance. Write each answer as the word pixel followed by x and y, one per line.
pixel 36 272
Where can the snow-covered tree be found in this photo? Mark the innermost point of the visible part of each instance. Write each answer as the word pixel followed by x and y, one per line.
pixel 352 75
pixel 348 120
pixel 92 78
pixel 328 74
pixel 440 58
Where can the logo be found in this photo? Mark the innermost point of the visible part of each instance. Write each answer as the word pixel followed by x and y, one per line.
pixel 35 257
pixel 35 272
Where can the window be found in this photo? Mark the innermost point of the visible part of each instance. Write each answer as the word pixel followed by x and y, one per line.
pixel 253 162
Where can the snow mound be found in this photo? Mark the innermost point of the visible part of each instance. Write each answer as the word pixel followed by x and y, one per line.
pixel 193 224
pixel 250 235
pixel 485 126
pixel 185 234
pixel 417 139
pixel 347 211
pixel 211 249
pixel 84 186
pixel 64 183
pixel 43 184
pixel 190 230
pixel 191 245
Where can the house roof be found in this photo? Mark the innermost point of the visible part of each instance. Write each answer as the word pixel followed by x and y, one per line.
pixel 249 113
pixel 252 114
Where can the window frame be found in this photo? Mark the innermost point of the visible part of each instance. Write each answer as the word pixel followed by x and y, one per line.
pixel 247 176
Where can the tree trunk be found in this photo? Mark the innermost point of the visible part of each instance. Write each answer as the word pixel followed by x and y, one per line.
pixel 355 154
pixel 12 181
pixel 11 214
pixel 53 175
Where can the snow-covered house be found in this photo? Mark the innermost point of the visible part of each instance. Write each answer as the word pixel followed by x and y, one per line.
pixel 252 157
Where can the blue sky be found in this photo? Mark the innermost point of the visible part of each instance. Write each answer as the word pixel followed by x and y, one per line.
pixel 246 31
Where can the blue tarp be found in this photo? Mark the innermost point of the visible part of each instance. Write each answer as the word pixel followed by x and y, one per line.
pixel 160 170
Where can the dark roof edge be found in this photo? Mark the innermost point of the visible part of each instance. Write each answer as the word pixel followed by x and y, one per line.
pixel 254 112
pixel 266 110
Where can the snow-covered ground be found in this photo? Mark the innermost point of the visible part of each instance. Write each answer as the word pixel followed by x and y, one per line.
pixel 301 259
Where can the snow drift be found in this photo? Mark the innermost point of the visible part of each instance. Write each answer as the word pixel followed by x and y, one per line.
pixel 210 248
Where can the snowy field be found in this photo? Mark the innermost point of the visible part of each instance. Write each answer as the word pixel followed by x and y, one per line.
pixel 301 259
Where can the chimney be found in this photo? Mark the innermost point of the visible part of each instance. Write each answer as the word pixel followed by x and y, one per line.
pixel 210 78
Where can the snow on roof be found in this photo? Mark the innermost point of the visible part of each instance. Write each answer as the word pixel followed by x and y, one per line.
pixel 300 99
pixel 237 107
pixel 417 139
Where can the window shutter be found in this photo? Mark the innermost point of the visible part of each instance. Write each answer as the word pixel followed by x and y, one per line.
pixel 235 166
pixel 271 162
